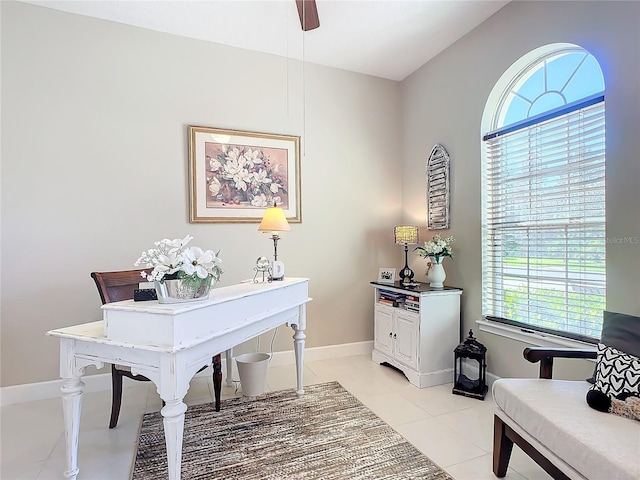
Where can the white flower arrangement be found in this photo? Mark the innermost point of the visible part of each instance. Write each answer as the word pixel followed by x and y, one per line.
pixel 436 248
pixel 172 259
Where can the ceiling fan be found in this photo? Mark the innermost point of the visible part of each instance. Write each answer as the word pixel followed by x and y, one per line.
pixel 308 13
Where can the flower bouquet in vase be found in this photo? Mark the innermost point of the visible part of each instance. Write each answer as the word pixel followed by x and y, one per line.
pixel 180 273
pixel 434 251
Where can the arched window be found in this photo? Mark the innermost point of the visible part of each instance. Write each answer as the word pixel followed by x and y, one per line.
pixel 544 194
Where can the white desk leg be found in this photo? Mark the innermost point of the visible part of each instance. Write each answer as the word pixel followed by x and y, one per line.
pixel 298 347
pixel 72 389
pixel 228 356
pixel 173 419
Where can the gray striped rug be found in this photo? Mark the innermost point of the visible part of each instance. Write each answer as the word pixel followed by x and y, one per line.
pixel 325 435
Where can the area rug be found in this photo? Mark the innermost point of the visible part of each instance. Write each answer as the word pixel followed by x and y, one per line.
pixel 325 435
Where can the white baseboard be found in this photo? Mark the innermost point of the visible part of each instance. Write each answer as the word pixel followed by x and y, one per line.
pixel 30 392
pixel 96 383
pixel 323 353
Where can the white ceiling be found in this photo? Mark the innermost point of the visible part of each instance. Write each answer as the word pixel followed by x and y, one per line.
pixel 385 38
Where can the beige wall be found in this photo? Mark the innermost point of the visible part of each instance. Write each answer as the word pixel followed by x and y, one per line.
pixel 443 103
pixel 94 169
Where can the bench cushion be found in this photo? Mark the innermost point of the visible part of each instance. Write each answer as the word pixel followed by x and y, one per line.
pixel 597 445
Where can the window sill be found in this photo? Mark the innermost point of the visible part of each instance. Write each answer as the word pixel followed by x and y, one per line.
pixel 530 337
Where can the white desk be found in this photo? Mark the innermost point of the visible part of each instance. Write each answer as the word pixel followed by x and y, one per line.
pixel 169 343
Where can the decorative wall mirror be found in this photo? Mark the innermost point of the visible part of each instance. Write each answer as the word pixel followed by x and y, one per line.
pixel 438 189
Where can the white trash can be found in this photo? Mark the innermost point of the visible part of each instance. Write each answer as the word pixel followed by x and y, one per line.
pixel 252 368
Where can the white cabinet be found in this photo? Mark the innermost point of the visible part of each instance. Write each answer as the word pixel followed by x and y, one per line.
pixel 396 334
pixel 416 330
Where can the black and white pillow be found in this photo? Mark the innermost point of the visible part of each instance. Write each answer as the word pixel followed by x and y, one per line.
pixel 617 372
pixel 620 331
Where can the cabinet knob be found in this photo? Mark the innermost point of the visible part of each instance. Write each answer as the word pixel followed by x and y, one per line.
pixel 390 334
pixel 395 336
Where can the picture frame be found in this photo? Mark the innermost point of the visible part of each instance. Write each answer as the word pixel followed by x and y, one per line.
pixel 235 175
pixel 386 275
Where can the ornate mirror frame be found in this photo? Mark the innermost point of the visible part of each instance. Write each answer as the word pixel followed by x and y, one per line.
pixel 438 189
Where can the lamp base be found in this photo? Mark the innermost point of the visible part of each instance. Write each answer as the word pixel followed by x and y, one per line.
pixel 278 271
pixel 406 275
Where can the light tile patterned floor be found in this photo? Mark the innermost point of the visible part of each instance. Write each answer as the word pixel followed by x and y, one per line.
pixel 454 431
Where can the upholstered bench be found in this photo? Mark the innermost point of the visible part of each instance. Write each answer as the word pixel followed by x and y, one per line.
pixel 552 423
pixel 565 426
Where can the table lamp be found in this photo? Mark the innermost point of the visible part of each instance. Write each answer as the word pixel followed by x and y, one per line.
pixel 406 235
pixel 274 221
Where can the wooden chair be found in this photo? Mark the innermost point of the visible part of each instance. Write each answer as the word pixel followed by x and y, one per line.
pixel 117 286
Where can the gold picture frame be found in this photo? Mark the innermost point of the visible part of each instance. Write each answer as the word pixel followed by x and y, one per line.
pixel 235 175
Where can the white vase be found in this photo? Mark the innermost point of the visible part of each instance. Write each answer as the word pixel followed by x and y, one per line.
pixel 436 275
pixel 184 290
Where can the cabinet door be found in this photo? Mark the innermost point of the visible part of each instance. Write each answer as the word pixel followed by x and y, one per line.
pixel 383 333
pixel 407 332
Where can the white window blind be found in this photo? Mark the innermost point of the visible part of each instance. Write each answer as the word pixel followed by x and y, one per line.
pixel 544 224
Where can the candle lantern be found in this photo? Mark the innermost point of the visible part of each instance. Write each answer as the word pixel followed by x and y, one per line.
pixel 470 350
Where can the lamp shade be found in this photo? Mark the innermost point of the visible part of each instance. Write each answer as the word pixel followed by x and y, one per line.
pixel 406 235
pixel 274 220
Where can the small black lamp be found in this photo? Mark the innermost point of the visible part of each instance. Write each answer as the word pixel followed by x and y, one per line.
pixel 463 385
pixel 406 235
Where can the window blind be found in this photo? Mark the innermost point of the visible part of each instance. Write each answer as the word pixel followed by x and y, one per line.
pixel 544 225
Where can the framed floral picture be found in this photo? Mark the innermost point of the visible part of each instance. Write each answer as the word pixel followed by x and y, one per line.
pixel 235 175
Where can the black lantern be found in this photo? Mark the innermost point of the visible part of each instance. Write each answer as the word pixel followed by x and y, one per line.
pixel 463 385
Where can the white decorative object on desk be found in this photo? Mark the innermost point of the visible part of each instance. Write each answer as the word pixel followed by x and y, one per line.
pixel 278 270
pixel 263 270
pixel 180 273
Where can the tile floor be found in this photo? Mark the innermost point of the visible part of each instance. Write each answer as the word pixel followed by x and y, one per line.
pixel 454 431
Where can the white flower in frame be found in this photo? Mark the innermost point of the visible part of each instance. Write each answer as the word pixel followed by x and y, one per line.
pixel 214 186
pixel 214 165
pixel 241 179
pixel 259 201
pixel 233 155
pixel 253 158
pixel 261 176
pixel 232 167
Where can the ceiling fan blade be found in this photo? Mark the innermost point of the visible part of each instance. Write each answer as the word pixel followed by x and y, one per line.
pixel 308 13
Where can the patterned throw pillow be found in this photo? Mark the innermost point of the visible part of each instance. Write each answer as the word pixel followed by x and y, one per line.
pixel 617 372
pixel 620 331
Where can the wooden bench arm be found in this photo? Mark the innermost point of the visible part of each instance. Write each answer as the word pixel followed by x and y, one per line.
pixel 545 356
